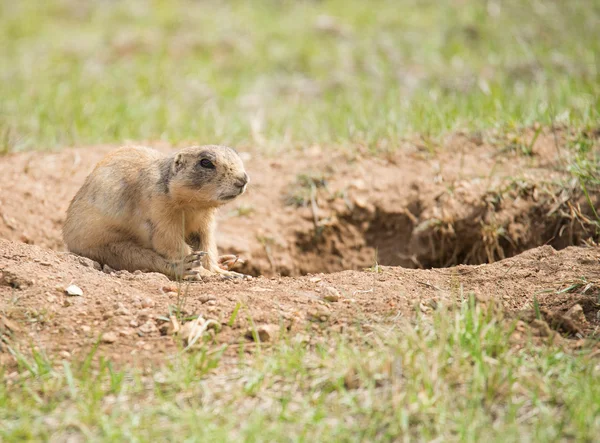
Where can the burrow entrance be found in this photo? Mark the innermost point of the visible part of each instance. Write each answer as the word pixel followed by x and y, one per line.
pixel 468 224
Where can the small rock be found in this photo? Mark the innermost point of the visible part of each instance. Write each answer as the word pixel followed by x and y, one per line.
pixel 265 333
pixel 171 294
pixel 361 202
pixel 74 290
pixel 143 316
pixel 65 354
pixel 172 287
pixel 25 239
pixel 149 327
pixel 331 294
pixel 121 309
pixel 109 337
pixel 319 314
pixel 67 303
pixel 205 298
pixel 425 307
pixel 88 263
pixel 107 269
pixel 133 324
pixel 15 280
pixel 576 314
pixel 86 328
pixel 148 303
pixel 51 298
pixel 315 279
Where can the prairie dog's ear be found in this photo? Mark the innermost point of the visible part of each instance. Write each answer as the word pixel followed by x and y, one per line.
pixel 178 163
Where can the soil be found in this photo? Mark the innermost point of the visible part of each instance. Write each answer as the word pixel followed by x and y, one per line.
pixel 464 206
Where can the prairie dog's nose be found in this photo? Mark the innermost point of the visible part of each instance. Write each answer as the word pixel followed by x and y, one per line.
pixel 242 181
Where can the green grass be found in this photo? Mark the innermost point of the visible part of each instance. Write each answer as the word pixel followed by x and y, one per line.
pixel 277 74
pixel 454 376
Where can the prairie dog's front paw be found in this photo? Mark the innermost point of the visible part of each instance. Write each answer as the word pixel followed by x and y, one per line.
pixel 225 274
pixel 228 262
pixel 189 265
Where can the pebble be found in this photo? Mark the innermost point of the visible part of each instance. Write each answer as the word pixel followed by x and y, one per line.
pixel 86 328
pixel 109 337
pixel 149 327
pixel 148 303
pixel 265 333
pixel 170 288
pixel 576 314
pixel 74 290
pixel 331 294
pixel 122 310
pixel 89 263
pixel 320 314
pixel 205 298
pixel 51 298
pixel 65 354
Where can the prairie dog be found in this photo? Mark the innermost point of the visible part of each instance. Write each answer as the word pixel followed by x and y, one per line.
pixel 143 210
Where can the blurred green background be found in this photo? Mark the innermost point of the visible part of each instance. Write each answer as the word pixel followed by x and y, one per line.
pixel 275 74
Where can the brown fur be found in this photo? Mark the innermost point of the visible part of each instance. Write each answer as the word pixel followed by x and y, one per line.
pixel 142 210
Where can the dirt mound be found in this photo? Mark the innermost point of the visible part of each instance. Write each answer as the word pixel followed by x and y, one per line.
pixel 470 200
pixel 131 311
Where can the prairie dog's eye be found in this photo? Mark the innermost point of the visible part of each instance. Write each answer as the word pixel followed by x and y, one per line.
pixel 206 163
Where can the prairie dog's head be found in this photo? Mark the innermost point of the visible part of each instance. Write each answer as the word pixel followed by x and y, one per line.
pixel 208 175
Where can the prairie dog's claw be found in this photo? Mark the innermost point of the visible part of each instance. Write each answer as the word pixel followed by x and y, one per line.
pixel 227 262
pixel 192 276
pixel 229 275
pixel 189 263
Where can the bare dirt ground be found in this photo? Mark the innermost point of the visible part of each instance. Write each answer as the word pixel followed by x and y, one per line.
pixel 473 199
